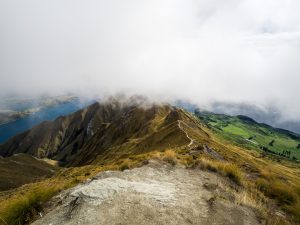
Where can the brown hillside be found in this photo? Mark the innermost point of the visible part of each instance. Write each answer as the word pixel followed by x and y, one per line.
pixel 105 131
pixel 20 169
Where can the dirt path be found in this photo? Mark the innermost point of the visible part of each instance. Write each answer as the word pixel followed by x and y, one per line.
pixel 186 133
pixel 153 194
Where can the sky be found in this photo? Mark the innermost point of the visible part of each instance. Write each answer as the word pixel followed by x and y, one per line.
pixel 203 51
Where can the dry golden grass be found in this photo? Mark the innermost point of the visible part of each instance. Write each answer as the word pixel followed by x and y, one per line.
pixel 278 183
pixel 20 208
pixel 125 165
pixel 273 183
pixel 224 168
pixel 170 156
pixel 251 199
pixel 255 193
pixel 20 205
pixel 156 155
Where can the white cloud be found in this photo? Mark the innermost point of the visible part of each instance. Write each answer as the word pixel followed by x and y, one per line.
pixel 204 51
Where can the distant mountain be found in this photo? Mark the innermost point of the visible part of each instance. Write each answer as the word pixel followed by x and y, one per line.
pixel 270 115
pixel 245 131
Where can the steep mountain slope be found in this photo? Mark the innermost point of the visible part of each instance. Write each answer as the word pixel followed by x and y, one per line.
pixel 246 132
pixel 105 131
pixel 20 169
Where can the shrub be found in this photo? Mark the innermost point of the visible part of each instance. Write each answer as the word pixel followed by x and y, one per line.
pixel 156 155
pixel 170 157
pixel 207 164
pixel 188 161
pixel 231 171
pixel 125 165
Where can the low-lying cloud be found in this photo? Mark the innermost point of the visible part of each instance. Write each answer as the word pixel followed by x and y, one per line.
pixel 204 51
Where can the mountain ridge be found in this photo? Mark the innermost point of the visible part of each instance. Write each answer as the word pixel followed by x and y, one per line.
pixel 99 129
pixel 118 135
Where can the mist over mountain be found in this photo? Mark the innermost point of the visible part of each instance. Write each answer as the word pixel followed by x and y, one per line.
pixel 150 112
pixel 270 115
pixel 201 51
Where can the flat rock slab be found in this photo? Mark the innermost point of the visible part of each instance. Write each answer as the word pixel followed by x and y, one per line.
pixel 153 194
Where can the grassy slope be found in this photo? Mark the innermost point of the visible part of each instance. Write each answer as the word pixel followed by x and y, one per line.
pixel 20 205
pixel 265 185
pixel 239 131
pixel 270 185
pixel 21 169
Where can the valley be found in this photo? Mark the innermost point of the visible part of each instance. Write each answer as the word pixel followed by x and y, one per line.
pixel 247 133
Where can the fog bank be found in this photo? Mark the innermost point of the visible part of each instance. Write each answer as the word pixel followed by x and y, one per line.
pixel 205 51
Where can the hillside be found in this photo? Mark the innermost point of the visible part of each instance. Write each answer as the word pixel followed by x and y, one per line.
pixel 21 169
pixel 246 132
pixel 117 135
pixel 102 132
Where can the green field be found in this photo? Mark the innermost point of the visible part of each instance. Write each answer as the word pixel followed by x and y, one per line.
pixel 245 132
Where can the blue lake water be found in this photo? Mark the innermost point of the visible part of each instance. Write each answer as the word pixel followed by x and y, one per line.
pixel 9 130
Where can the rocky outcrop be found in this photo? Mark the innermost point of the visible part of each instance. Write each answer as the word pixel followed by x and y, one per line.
pixel 153 194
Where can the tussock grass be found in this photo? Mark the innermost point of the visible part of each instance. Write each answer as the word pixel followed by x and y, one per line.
pixel 285 195
pixel 224 168
pixel 170 156
pixel 281 192
pixel 28 200
pixel 20 209
pixel 125 165
pixel 252 199
pixel 231 171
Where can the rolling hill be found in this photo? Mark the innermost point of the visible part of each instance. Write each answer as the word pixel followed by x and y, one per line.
pixel 246 132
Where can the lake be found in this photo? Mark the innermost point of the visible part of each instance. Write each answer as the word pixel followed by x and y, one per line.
pixel 10 129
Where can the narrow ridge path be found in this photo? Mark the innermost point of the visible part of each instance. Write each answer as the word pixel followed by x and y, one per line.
pixel 186 133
